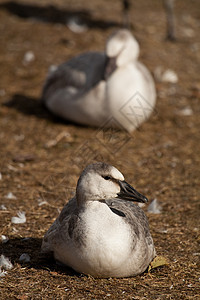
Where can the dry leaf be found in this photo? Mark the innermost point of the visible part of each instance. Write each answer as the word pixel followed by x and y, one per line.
pixel 157 262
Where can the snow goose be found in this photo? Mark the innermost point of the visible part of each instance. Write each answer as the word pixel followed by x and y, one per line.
pixel 101 231
pixel 94 87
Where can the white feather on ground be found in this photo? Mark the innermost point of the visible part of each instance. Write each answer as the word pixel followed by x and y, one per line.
pixel 21 218
pixel 10 195
pixel 4 239
pixel 2 207
pixel 154 207
pixel 5 263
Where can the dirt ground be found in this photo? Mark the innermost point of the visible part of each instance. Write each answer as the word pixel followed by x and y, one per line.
pixel 42 157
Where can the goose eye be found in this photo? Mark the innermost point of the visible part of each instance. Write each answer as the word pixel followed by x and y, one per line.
pixel 107 177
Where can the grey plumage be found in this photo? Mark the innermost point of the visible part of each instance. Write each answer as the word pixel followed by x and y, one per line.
pixel 99 235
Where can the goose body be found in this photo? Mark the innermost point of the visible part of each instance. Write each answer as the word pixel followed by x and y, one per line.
pixel 101 231
pixel 93 87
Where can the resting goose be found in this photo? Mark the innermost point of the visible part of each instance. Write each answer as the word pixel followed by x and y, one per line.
pixel 95 87
pixel 101 231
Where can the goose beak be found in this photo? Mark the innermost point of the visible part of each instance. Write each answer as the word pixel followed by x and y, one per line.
pixel 127 192
pixel 110 66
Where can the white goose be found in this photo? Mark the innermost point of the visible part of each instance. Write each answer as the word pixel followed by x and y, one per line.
pixel 100 231
pixel 95 87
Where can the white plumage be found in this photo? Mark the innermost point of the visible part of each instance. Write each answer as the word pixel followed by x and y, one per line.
pixel 100 231
pixel 93 87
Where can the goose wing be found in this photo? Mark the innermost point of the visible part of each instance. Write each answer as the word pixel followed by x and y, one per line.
pixel 79 73
pixel 133 215
pixel 61 225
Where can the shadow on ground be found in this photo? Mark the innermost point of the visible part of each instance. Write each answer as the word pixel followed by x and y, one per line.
pixel 31 106
pixel 52 14
pixel 17 246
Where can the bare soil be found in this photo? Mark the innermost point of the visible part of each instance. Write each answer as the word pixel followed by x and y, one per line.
pixel 42 156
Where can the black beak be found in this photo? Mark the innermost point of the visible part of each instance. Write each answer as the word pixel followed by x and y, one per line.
pixel 127 192
pixel 110 66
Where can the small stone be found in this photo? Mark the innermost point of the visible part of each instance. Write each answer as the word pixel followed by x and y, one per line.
pixel 24 258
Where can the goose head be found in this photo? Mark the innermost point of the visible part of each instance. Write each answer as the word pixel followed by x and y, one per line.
pixel 121 49
pixel 101 181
